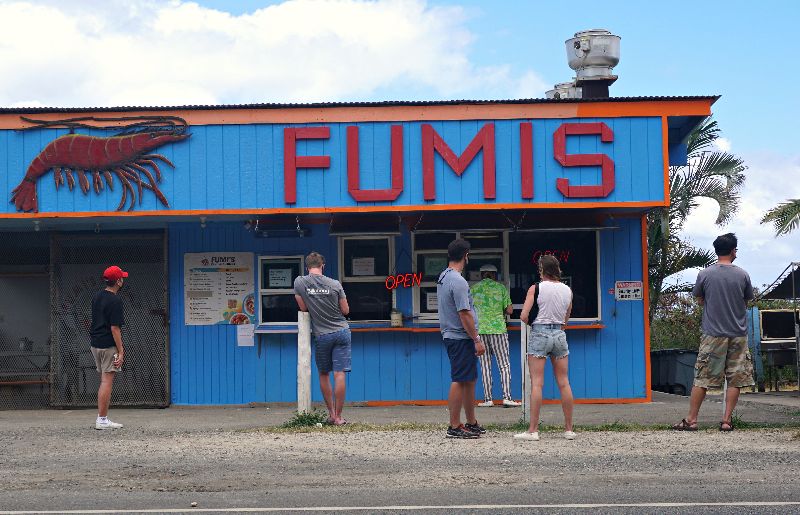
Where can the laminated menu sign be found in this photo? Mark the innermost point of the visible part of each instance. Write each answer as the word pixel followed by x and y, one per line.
pixel 218 288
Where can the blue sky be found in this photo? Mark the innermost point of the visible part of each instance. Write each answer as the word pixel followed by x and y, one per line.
pixel 151 52
pixel 741 50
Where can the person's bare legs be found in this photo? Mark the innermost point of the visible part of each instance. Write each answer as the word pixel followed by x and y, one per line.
pixel 536 367
pixel 561 371
pixel 327 394
pixel 731 398
pixel 104 393
pixel 468 401
pixel 695 401
pixel 455 403
pixel 340 383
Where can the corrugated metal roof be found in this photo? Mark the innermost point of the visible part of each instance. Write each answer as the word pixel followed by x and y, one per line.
pixel 29 110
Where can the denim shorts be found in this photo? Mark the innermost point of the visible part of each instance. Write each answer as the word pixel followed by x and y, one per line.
pixel 332 351
pixel 547 340
pixel 463 361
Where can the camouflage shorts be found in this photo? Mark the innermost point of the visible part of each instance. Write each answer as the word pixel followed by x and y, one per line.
pixel 720 357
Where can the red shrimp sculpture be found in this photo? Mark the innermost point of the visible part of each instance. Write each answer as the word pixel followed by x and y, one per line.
pixel 125 155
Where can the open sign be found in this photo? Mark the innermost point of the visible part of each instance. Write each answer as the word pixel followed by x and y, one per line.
pixel 404 280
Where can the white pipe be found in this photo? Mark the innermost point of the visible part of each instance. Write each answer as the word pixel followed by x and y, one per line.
pixel 526 378
pixel 303 362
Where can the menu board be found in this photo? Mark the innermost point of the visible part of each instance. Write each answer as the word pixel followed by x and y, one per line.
pixel 219 288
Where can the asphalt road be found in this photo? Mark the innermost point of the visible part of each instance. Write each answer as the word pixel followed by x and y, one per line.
pixel 72 467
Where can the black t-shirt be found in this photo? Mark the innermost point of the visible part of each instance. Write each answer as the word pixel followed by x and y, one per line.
pixel 106 311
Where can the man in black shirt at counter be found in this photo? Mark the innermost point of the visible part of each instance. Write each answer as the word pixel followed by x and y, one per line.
pixel 106 340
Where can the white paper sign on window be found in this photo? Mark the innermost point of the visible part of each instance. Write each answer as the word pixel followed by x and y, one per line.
pixel 280 278
pixel 431 301
pixel 364 266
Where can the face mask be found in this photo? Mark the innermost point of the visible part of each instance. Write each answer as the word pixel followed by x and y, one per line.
pixel 121 285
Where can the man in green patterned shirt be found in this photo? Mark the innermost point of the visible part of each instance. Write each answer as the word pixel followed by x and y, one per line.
pixel 492 304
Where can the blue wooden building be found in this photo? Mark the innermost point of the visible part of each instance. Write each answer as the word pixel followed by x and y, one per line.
pixel 212 209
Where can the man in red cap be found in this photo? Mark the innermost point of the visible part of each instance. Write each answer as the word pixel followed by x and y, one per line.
pixel 107 319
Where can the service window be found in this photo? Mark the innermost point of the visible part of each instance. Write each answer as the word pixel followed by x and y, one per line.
pixel 365 262
pixel 430 258
pixel 276 288
pixel 577 252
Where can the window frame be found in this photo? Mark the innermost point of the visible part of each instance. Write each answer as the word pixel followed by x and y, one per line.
pixel 416 293
pixel 378 279
pixel 276 291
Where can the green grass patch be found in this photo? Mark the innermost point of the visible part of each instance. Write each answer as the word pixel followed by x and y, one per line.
pixel 306 419
pixel 616 426
pixel 347 428
pixel 316 422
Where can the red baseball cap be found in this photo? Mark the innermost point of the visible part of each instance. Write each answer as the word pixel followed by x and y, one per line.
pixel 114 273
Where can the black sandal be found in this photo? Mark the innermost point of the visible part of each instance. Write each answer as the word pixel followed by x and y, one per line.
pixel 729 424
pixel 685 426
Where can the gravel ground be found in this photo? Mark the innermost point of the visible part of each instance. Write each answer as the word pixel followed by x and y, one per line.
pixel 60 468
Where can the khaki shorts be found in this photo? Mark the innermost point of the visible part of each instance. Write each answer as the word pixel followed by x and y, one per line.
pixel 720 357
pixel 104 359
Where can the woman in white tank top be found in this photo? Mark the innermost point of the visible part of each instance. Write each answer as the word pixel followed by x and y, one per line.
pixel 547 338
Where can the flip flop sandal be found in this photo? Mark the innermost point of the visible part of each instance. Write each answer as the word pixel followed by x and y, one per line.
pixel 684 426
pixel 730 427
pixel 344 422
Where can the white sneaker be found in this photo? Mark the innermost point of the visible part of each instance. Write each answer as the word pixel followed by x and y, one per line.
pixel 527 436
pixel 511 404
pixel 569 435
pixel 487 404
pixel 107 425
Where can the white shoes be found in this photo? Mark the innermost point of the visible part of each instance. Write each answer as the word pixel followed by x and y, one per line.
pixel 527 436
pixel 107 425
pixel 569 435
pixel 487 404
pixel 511 404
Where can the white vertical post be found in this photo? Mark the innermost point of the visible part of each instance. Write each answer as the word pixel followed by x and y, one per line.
pixel 303 362
pixel 526 377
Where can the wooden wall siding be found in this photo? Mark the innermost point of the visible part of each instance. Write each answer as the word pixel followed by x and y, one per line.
pixel 241 167
pixel 208 368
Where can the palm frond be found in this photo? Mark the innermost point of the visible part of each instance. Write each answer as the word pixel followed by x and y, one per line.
pixel 718 176
pixel 702 137
pixel 785 217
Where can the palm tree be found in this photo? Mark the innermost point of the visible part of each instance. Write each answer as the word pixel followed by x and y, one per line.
pixel 785 217
pixel 710 174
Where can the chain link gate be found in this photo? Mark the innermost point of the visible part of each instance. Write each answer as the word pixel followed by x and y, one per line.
pixel 78 262
pixel 24 334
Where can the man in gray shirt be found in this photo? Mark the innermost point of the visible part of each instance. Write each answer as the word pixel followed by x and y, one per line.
pixel 324 300
pixel 459 327
pixel 723 289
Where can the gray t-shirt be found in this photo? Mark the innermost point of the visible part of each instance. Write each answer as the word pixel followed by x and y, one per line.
pixel 321 295
pixel 725 290
pixel 452 296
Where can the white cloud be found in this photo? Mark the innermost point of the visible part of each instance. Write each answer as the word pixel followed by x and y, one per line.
pixel 144 52
pixel 722 144
pixel 771 179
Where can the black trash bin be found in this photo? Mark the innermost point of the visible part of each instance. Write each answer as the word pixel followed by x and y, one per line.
pixel 672 370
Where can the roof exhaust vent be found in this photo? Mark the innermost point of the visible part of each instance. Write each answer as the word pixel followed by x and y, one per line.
pixel 564 90
pixel 593 54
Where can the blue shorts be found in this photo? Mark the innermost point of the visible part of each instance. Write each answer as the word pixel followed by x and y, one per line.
pixel 332 351
pixel 547 340
pixel 463 361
